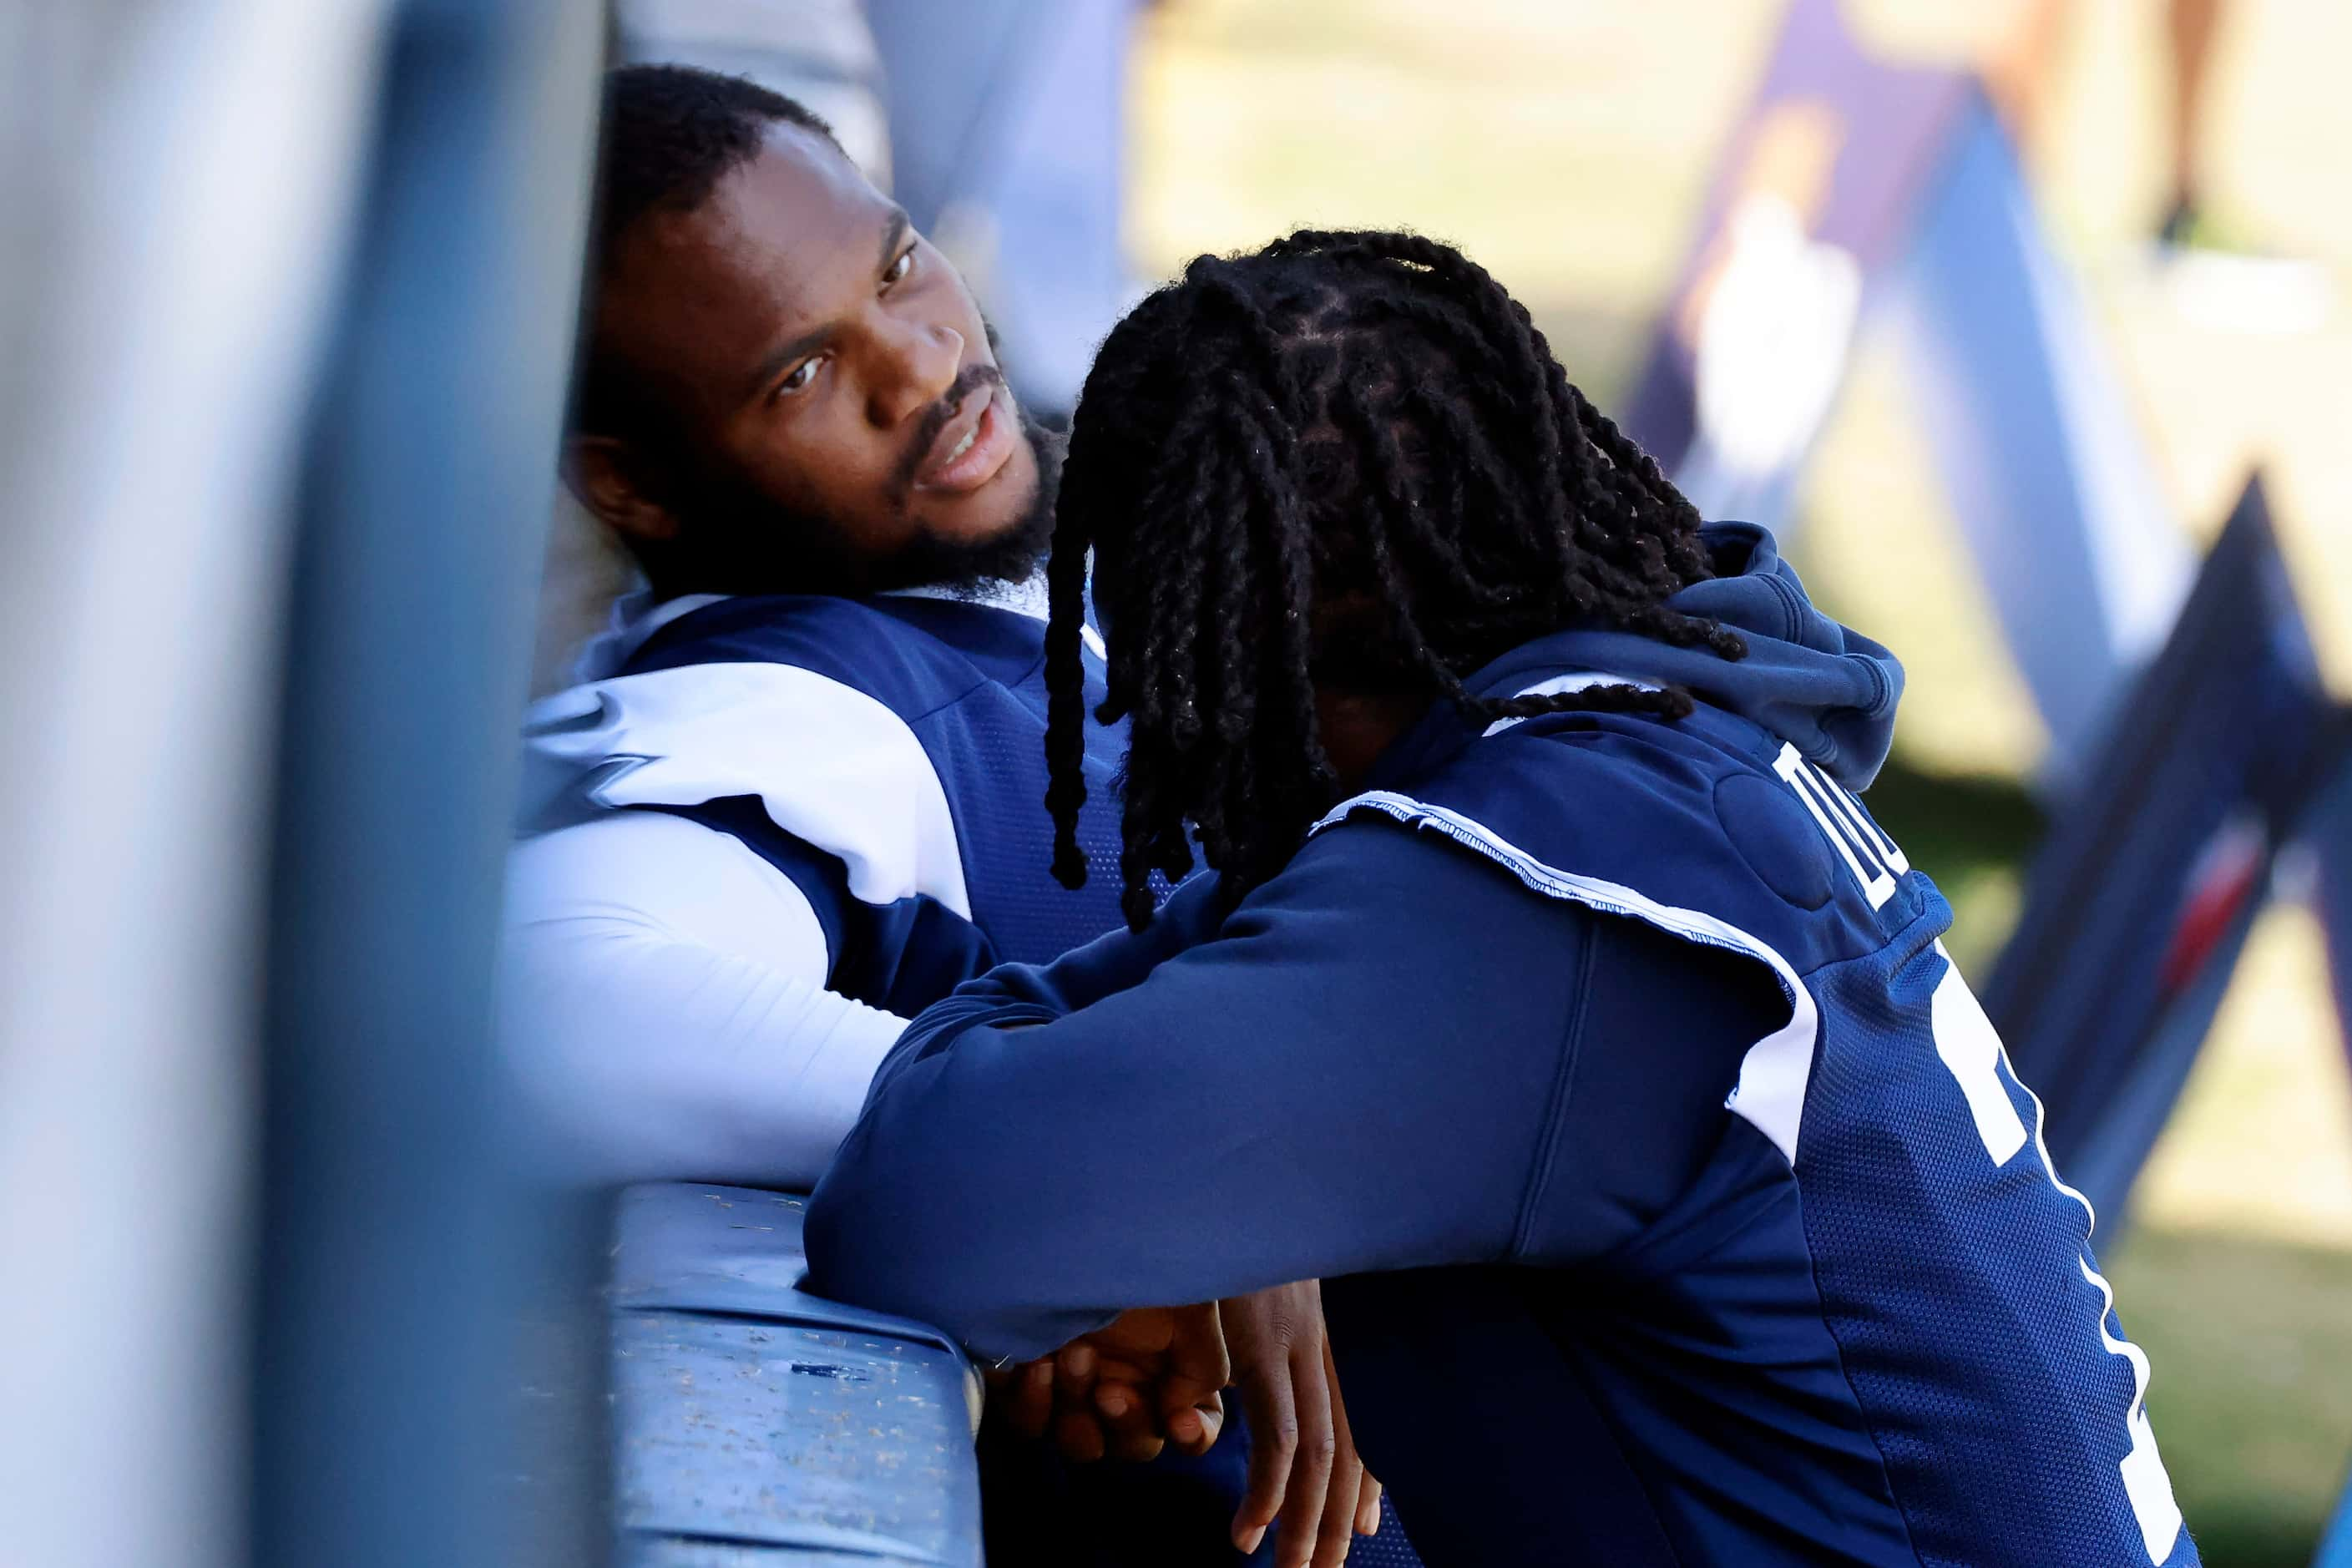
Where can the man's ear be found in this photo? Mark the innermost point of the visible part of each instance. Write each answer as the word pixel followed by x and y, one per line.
pixel 609 480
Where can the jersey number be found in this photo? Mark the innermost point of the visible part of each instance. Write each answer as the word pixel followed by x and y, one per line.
pixel 1971 1052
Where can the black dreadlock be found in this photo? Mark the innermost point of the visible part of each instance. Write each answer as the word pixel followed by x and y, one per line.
pixel 1351 460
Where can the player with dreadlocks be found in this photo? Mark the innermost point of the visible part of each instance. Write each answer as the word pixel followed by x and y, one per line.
pixel 1555 1002
pixel 1397 509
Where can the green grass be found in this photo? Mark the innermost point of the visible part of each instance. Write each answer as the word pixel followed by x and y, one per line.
pixel 2251 1397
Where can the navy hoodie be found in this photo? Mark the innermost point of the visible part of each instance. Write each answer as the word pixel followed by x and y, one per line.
pixel 1675 1202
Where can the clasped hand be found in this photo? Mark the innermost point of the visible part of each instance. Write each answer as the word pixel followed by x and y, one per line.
pixel 1154 1378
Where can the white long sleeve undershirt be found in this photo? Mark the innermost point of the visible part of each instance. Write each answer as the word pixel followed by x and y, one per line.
pixel 662 1001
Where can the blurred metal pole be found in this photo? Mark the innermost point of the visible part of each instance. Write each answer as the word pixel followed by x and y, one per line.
pixel 175 175
pixel 402 1243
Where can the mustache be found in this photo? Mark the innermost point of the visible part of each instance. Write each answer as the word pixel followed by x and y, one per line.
pixel 970 379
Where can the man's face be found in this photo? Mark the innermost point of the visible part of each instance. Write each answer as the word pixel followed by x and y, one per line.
pixel 839 423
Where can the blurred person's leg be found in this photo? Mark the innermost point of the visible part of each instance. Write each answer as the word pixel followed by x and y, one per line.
pixel 2192 26
pixel 2216 274
pixel 2019 69
pixel 2019 73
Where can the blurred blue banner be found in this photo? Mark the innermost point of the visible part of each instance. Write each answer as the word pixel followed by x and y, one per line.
pixel 1809 216
pixel 1856 191
pixel 2044 466
pixel 2142 895
pixel 2335 1551
pixel 2331 839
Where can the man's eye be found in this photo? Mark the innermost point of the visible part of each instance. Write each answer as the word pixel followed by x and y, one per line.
pixel 802 374
pixel 900 267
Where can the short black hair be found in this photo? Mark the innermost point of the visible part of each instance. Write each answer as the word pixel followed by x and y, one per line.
pixel 670 135
pixel 1348 460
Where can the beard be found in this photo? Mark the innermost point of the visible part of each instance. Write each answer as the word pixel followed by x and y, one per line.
pixel 735 538
pixel 959 567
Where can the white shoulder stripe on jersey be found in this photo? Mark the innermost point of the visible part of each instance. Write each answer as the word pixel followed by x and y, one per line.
pixel 1770 1093
pixel 833 766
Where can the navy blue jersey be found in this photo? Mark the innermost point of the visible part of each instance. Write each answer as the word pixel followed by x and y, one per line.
pixel 966 680
pixel 1885 1165
pixel 1675 1201
pixel 886 755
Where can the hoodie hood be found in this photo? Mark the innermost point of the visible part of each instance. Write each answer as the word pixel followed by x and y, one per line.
pixel 1827 690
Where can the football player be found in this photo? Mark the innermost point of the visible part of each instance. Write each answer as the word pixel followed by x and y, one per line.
pixel 1555 1001
pixel 801 797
